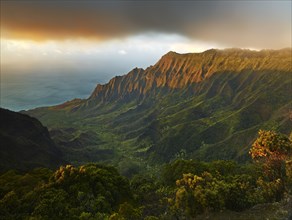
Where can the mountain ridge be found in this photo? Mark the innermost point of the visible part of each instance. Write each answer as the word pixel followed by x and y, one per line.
pixel 176 71
pixel 210 104
pixel 139 81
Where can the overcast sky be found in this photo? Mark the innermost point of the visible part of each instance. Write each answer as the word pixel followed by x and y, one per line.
pixel 134 33
pixel 108 38
pixel 259 24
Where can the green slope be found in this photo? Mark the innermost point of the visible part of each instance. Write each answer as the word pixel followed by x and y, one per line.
pixel 209 104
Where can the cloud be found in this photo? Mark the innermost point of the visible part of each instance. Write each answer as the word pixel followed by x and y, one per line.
pixel 122 52
pixel 110 57
pixel 258 24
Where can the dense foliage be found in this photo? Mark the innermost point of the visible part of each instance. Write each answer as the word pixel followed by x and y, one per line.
pixel 272 149
pixel 182 189
pixel 68 193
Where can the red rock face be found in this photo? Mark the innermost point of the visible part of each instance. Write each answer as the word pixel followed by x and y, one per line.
pixel 176 71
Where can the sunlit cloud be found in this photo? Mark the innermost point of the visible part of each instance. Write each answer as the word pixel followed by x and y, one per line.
pixel 258 24
pixel 93 35
pixel 139 50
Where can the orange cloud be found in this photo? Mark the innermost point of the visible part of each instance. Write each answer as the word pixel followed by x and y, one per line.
pixel 48 20
pixel 251 24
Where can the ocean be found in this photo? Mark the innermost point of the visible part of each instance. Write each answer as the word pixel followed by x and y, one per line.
pixel 28 91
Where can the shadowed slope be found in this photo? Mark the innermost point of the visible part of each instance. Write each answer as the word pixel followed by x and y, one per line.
pixel 25 143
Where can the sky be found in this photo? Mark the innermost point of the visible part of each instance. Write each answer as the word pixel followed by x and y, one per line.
pixel 57 44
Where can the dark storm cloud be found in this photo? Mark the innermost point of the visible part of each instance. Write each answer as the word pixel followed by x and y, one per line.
pixel 236 23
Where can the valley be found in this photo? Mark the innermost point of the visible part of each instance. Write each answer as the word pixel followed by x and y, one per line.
pixel 201 104
pixel 146 110
pixel 195 136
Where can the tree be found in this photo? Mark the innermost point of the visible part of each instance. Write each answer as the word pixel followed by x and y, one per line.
pixel 93 187
pixel 52 204
pixel 198 194
pixel 127 211
pixel 272 150
pixel 175 170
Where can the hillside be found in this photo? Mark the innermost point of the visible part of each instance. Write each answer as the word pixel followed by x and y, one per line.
pixel 200 105
pixel 25 143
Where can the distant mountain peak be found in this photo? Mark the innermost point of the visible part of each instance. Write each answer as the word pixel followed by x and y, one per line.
pixel 171 53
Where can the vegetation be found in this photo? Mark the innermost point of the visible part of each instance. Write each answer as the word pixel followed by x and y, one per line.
pixel 168 142
pixel 272 150
pixel 68 193
pixel 183 189
pixel 209 104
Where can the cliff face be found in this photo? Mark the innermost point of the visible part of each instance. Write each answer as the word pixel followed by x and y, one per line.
pixel 120 86
pixel 177 71
pixel 25 143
